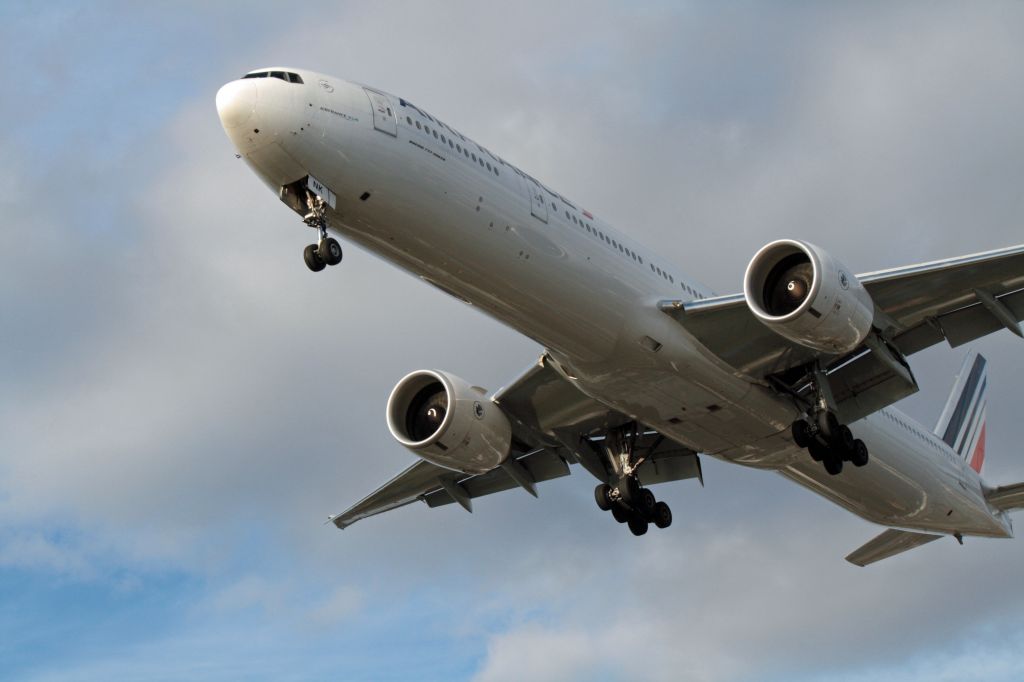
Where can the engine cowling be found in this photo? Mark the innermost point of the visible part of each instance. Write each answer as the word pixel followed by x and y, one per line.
pixel 804 294
pixel 448 422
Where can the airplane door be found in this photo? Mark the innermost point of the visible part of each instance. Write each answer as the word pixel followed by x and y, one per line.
pixel 383 113
pixel 538 207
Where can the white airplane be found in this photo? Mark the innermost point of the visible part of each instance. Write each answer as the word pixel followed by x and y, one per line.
pixel 643 368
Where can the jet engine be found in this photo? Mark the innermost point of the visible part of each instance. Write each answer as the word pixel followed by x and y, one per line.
pixel 805 295
pixel 444 420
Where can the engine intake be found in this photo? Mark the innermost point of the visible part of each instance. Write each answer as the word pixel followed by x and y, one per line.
pixel 444 420
pixel 805 295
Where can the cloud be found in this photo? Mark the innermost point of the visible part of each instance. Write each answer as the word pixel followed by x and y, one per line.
pixel 183 398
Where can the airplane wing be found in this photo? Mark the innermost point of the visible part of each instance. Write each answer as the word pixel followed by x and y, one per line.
pixel 954 300
pixel 888 544
pixel 550 419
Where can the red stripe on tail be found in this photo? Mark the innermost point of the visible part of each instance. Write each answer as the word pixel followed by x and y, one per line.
pixel 978 458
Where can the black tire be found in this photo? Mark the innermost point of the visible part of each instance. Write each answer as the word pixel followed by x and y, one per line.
pixel 828 425
pixel 330 251
pixel 646 502
pixel 860 455
pixel 844 440
pixel 637 525
pixel 312 259
pixel 629 492
pixel 802 433
pixel 620 514
pixel 833 465
pixel 604 502
pixel 662 515
pixel 817 450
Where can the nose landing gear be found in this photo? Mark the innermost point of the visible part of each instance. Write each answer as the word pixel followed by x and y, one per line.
pixel 327 251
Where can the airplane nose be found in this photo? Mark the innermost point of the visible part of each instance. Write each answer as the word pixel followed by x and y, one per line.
pixel 236 102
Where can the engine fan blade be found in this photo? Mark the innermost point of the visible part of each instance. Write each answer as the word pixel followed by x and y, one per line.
pixel 427 413
pixel 790 289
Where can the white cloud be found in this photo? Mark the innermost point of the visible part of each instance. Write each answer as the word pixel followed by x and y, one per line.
pixel 182 394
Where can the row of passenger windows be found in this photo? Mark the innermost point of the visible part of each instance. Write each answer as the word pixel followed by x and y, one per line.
pixel 927 437
pixel 464 150
pixel 452 144
pixel 286 76
pixel 625 250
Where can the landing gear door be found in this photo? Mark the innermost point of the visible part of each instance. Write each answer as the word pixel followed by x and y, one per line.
pixel 538 207
pixel 383 113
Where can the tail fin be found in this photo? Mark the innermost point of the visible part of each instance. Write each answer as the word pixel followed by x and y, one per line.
pixel 962 424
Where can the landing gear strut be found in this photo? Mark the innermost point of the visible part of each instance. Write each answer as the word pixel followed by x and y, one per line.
pixel 627 500
pixel 826 439
pixel 327 251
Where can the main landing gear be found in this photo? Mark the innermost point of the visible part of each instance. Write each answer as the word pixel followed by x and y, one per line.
pixel 627 500
pixel 828 441
pixel 327 251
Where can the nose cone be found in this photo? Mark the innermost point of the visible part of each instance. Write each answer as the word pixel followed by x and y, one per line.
pixel 236 103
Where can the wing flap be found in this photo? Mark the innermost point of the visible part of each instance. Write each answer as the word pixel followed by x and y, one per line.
pixel 889 543
pixel 542 465
pixel 405 488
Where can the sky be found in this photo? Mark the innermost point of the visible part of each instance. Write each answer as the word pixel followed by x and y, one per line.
pixel 183 404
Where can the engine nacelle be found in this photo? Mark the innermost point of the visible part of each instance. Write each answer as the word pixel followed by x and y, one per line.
pixel 804 294
pixel 444 420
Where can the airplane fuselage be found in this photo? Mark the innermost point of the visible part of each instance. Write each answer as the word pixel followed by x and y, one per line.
pixel 421 195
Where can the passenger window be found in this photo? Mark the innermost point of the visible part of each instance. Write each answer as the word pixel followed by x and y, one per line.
pixel 443 140
pixel 418 126
pixel 435 133
pixel 408 119
pixel 489 167
pixel 458 148
pixel 473 156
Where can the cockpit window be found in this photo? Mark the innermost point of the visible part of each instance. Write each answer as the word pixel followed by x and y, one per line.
pixel 286 76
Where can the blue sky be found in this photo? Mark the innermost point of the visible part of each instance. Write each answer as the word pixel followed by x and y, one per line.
pixel 184 405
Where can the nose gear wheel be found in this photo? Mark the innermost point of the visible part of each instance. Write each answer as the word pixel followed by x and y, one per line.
pixel 327 251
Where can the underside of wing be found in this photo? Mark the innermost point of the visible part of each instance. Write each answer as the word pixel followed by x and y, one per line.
pixel 954 300
pixel 553 425
pixel 436 485
pixel 889 543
